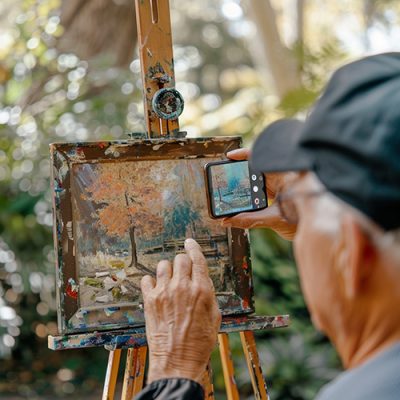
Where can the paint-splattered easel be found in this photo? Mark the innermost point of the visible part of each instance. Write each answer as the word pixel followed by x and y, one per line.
pixel 162 107
pixel 114 325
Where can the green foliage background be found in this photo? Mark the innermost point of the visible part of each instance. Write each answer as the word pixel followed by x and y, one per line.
pixel 46 96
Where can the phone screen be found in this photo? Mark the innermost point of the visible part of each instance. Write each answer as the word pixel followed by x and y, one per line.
pixel 234 189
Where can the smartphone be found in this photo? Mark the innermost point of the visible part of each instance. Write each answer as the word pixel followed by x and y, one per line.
pixel 233 188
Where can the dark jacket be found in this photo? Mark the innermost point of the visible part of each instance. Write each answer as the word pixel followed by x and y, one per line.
pixel 172 389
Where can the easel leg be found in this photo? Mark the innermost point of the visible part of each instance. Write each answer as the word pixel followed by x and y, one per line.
pixel 134 372
pixel 139 370
pixel 111 375
pixel 129 376
pixel 207 383
pixel 227 367
pixel 253 364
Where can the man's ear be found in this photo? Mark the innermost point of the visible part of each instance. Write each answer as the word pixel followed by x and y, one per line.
pixel 357 256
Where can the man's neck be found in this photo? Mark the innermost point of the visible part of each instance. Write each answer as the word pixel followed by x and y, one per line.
pixel 375 336
pixel 370 349
pixel 370 321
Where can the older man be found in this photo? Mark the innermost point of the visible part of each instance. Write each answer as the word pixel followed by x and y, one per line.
pixel 342 209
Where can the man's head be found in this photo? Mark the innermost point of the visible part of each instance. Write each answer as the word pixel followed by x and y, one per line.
pixel 347 200
pixel 349 267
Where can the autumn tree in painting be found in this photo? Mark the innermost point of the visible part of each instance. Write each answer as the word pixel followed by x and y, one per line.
pixel 219 177
pixel 129 202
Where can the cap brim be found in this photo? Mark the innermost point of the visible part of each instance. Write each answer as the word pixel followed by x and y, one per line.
pixel 277 148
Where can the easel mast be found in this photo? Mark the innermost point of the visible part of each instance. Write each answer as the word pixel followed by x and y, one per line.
pixel 157 65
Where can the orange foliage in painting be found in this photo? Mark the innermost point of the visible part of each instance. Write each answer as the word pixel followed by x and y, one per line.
pixel 115 219
pixel 219 176
pixel 128 196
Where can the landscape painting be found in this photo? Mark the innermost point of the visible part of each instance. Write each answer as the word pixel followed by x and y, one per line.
pixel 121 207
pixel 130 215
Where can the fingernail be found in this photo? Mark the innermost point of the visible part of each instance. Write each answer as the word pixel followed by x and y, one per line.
pixel 230 153
pixel 190 242
pixel 233 151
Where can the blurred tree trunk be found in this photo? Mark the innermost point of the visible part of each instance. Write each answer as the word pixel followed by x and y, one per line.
pixel 300 23
pixel 300 5
pixel 91 28
pixel 369 9
pixel 282 63
pixel 99 26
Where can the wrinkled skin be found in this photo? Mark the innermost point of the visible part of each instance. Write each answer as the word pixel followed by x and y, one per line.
pixel 182 316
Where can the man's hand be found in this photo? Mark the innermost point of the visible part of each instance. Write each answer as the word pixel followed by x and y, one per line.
pixel 269 217
pixel 182 316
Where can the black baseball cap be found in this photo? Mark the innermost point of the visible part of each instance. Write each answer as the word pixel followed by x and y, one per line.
pixel 351 140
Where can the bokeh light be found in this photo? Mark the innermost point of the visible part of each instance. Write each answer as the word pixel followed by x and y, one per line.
pixel 50 94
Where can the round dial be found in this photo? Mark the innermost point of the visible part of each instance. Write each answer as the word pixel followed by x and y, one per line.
pixel 168 103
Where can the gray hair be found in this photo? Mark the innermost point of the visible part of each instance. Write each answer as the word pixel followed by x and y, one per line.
pixel 387 241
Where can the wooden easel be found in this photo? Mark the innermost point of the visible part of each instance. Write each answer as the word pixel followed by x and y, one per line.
pixel 135 365
pixel 163 105
pixel 134 340
pixel 155 48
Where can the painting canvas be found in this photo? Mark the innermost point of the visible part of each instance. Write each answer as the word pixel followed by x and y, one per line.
pixel 128 215
pixel 122 207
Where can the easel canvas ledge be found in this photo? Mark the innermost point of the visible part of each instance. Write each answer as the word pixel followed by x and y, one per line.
pixel 136 337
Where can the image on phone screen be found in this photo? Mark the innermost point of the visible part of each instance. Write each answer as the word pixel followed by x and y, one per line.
pixel 233 189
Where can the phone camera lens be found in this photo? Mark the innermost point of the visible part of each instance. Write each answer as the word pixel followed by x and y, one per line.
pixel 257 201
pixel 254 177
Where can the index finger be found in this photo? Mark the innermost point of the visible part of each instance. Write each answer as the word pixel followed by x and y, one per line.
pixel 147 284
pixel 239 154
pixel 199 263
pixel 266 218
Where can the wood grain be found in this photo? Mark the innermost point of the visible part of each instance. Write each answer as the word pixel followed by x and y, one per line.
pixel 232 392
pixel 155 48
pixel 253 364
pixel 111 375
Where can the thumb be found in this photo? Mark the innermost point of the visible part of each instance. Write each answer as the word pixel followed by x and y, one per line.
pixel 239 154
